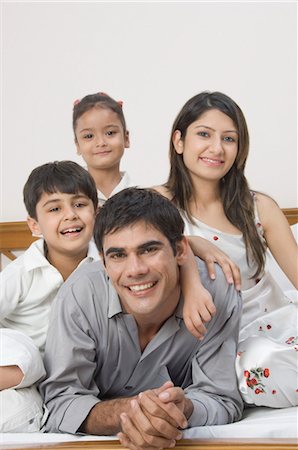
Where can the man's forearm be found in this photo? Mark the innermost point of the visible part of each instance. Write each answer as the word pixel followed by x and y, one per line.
pixel 104 417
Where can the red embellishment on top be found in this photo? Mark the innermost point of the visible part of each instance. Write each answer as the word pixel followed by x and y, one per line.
pixel 269 327
pixel 274 391
pixel 259 391
pixel 215 238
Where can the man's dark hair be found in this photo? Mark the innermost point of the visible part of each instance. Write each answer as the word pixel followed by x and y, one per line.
pixel 134 205
pixel 67 177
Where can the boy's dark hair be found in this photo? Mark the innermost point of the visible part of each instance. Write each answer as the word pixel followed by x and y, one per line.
pixel 59 176
pixel 98 100
pixel 133 205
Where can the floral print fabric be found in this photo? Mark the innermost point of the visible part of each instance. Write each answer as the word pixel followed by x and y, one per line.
pixel 267 359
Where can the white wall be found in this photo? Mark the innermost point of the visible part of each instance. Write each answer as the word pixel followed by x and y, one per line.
pixel 153 56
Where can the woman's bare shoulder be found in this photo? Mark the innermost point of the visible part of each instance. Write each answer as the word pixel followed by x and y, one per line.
pixel 268 209
pixel 265 200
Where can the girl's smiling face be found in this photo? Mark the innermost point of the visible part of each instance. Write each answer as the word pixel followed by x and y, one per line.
pixel 100 138
pixel 210 145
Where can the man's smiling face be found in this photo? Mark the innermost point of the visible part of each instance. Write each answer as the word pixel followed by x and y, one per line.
pixel 144 270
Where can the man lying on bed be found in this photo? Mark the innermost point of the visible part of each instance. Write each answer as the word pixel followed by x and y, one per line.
pixel 118 356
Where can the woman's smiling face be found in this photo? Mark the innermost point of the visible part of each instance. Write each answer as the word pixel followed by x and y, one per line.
pixel 210 145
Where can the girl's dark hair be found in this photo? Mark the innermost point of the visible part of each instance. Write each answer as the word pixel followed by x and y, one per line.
pixel 98 100
pixel 237 199
pixel 60 176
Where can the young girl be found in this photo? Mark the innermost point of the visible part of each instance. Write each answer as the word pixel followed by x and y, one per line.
pixel 208 152
pixel 101 137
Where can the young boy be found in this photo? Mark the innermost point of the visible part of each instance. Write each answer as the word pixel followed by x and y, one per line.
pixel 61 200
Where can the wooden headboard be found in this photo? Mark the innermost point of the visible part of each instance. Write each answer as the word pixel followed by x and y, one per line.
pixel 291 214
pixel 15 236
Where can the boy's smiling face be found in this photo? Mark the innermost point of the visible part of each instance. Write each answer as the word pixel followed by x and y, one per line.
pixel 101 140
pixel 66 222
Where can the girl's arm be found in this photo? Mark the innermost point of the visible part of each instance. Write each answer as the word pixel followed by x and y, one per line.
pixel 211 254
pixel 198 304
pixel 279 237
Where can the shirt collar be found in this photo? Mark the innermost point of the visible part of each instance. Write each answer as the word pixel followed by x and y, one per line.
pixel 124 183
pixel 115 306
pixel 34 256
pixel 179 309
pixel 93 253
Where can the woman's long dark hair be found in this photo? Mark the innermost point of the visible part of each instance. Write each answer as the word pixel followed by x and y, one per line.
pixel 236 196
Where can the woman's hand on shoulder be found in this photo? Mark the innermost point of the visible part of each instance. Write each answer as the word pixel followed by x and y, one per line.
pixel 211 254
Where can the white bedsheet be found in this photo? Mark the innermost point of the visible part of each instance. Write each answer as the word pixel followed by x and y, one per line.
pixel 256 423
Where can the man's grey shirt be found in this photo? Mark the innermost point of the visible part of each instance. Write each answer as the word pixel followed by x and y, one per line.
pixel 93 353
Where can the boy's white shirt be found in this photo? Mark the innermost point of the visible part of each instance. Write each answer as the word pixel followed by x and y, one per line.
pixel 29 286
pixel 125 182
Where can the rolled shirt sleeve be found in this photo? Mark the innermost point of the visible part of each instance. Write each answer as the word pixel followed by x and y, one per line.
pixel 70 390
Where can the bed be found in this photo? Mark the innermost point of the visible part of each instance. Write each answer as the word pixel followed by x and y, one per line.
pixel 260 428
